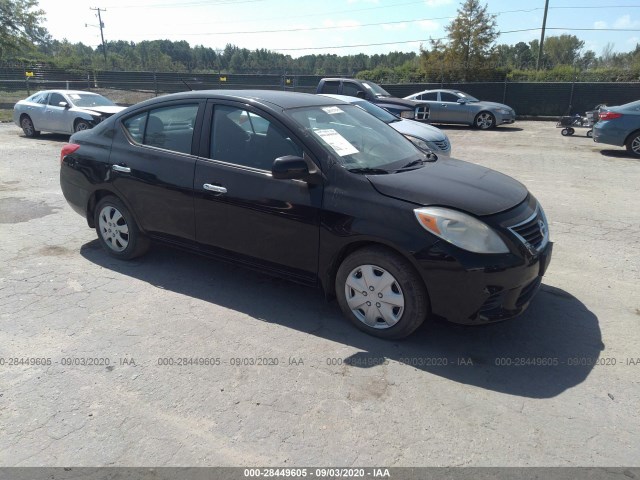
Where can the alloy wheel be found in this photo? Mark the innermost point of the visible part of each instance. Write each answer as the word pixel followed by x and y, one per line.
pixel 484 120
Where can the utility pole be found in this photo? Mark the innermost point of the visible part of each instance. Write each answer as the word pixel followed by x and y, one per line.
pixel 544 25
pixel 104 46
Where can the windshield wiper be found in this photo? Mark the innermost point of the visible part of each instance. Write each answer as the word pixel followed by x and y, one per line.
pixel 428 157
pixel 372 171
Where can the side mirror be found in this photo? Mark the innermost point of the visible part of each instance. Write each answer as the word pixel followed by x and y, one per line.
pixel 63 104
pixel 462 100
pixel 361 94
pixel 291 167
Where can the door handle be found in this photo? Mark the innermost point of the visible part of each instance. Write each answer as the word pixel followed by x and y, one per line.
pixel 214 188
pixel 120 168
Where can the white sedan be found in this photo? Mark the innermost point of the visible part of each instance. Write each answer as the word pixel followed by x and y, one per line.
pixel 62 111
pixel 422 135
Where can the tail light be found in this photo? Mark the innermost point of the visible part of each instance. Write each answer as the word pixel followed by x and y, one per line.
pixel 609 115
pixel 68 149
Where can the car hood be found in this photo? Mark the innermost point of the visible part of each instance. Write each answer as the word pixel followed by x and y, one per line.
pixel 410 104
pixel 419 130
pixel 108 109
pixel 453 183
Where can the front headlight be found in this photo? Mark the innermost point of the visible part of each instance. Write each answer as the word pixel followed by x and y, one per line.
pixel 421 144
pixel 504 111
pixel 460 229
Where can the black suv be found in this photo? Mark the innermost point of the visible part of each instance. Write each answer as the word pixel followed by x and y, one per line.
pixel 375 94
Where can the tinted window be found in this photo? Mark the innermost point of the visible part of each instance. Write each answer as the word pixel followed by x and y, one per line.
pixel 170 128
pixel 351 89
pixel 448 97
pixel 55 99
pixel 433 96
pixel 245 138
pixel 330 87
pixel 39 98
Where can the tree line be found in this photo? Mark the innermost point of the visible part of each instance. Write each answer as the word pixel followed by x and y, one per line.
pixel 470 53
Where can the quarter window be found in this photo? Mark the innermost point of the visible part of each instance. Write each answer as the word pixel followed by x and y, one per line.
pixel 169 128
pixel 245 138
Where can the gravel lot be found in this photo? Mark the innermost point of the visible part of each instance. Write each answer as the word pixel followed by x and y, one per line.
pixel 448 396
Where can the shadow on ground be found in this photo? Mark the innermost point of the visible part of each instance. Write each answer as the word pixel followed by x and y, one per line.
pixel 541 354
pixel 618 154
pixel 468 127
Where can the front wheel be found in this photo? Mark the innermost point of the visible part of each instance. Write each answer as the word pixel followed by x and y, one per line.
pixel 27 127
pixel 81 125
pixel 117 230
pixel 381 293
pixel 589 133
pixel 633 144
pixel 485 121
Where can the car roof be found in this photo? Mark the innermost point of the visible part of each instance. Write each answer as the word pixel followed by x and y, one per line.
pixel 277 98
pixel 69 92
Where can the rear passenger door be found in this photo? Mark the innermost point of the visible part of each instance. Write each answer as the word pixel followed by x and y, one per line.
pixel 153 163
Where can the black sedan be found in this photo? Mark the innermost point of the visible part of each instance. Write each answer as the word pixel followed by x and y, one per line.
pixel 318 191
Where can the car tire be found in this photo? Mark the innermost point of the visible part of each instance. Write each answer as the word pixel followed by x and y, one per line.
pixel 589 133
pixel 117 231
pixel 81 125
pixel 399 303
pixel 484 121
pixel 27 127
pixel 633 144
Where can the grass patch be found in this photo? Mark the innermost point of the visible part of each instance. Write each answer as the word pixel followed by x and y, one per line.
pixel 6 115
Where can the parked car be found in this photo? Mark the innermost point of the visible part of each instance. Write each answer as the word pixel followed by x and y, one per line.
pixel 375 94
pixel 318 191
pixel 62 111
pixel 619 126
pixel 454 106
pixel 423 135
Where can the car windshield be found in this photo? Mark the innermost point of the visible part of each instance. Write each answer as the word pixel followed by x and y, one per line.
pixel 377 90
pixel 467 96
pixel 358 140
pixel 87 100
pixel 376 111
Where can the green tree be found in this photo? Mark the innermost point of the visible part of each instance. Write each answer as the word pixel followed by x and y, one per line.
pixel 471 35
pixel 563 49
pixel 20 28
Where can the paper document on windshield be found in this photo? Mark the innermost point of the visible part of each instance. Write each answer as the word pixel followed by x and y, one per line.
pixel 336 141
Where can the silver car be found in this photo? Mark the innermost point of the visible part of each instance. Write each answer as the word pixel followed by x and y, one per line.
pixel 454 106
pixel 62 111
pixel 423 136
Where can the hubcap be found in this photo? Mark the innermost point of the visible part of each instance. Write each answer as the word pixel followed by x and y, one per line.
pixel 485 120
pixel 113 228
pixel 374 296
pixel 635 145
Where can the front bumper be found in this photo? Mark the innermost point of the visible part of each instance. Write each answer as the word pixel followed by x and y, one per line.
pixel 472 294
pixel 502 119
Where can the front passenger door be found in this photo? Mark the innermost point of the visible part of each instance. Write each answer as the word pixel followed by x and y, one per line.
pixel 241 210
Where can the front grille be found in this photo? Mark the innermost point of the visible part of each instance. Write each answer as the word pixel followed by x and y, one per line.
pixel 422 113
pixel 533 231
pixel 442 145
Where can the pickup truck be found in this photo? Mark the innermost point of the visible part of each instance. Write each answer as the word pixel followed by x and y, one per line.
pixel 375 94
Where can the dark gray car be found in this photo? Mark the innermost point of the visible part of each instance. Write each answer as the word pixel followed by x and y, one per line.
pixel 454 106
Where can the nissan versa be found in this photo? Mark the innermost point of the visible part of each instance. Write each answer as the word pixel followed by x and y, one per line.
pixel 318 191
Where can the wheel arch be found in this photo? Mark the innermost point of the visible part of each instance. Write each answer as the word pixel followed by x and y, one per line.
pixel 98 195
pixel 630 136
pixel 329 278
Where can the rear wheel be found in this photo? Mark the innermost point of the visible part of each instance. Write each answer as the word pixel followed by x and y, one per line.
pixel 485 121
pixel 27 127
pixel 381 293
pixel 633 144
pixel 117 230
pixel 589 133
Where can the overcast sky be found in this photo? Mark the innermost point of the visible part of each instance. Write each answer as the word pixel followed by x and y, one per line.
pixel 299 27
